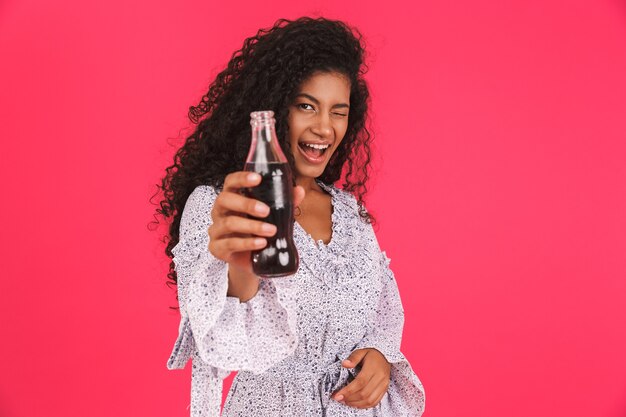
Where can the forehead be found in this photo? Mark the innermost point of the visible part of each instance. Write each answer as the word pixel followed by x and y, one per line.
pixel 327 86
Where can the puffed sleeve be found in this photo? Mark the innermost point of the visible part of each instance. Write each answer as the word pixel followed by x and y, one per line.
pixel 219 333
pixel 406 395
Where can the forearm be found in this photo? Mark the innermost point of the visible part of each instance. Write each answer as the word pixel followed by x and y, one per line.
pixel 241 284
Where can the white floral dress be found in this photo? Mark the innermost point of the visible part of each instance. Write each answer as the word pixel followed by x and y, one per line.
pixel 288 341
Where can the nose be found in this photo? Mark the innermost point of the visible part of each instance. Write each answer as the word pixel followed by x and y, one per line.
pixel 322 126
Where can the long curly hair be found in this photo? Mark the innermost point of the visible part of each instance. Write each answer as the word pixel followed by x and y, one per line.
pixel 266 74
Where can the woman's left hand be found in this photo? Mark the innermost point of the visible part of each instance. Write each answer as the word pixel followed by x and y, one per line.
pixel 371 383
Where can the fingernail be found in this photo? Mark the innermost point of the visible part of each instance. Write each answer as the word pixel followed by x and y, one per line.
pixel 253 176
pixel 259 241
pixel 261 208
pixel 339 397
pixel 267 227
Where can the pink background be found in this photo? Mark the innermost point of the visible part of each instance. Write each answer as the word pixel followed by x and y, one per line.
pixel 501 196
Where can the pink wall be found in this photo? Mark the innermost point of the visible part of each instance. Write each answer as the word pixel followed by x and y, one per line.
pixel 501 196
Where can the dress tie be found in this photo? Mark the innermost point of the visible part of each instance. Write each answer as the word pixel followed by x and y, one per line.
pixel 333 378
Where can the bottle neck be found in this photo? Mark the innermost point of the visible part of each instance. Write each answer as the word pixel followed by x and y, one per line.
pixel 263 131
pixel 264 147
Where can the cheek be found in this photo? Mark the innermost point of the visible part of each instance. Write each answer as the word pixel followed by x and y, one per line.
pixel 295 129
pixel 342 130
pixel 341 134
pixel 345 128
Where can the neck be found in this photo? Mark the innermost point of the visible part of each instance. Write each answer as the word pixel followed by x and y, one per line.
pixel 307 183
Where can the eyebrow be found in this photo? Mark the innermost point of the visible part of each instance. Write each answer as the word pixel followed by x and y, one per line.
pixel 316 101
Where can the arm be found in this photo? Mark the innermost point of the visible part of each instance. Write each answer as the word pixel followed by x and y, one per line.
pixel 405 392
pixel 385 332
pixel 386 379
pixel 218 331
pixel 241 284
pixel 221 324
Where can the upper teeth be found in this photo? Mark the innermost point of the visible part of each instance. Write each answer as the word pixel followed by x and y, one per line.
pixel 316 146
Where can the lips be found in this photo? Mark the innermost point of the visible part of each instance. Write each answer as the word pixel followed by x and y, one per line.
pixel 314 152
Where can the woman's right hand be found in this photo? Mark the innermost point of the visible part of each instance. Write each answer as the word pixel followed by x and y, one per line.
pixel 232 235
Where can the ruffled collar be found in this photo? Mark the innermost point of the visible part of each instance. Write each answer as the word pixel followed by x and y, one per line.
pixel 323 260
pixel 319 244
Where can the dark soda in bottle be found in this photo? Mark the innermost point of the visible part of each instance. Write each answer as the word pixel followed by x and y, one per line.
pixel 280 256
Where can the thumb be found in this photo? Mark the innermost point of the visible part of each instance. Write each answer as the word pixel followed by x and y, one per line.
pixel 298 195
pixel 354 359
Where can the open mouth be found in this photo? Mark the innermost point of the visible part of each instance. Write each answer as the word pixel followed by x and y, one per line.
pixel 313 152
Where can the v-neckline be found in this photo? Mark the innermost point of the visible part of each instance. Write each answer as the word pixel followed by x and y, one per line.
pixel 319 244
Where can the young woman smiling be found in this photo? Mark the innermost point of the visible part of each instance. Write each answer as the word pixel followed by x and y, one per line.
pixel 326 340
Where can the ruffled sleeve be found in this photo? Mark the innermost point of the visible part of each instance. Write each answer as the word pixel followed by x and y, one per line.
pixel 219 333
pixel 406 395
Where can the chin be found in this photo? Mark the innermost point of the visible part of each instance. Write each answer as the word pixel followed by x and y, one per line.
pixel 310 172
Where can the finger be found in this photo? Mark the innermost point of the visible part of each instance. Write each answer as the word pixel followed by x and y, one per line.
pixel 228 202
pixel 382 395
pixel 365 391
pixel 369 394
pixel 241 226
pixel 223 248
pixel 240 179
pixel 298 195
pixel 354 359
pixel 372 399
pixel 352 388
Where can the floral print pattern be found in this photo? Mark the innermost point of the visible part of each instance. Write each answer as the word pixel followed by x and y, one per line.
pixel 288 341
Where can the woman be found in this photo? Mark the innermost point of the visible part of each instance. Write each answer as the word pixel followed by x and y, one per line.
pixel 322 342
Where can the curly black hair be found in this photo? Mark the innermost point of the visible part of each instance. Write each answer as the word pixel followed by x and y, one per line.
pixel 266 74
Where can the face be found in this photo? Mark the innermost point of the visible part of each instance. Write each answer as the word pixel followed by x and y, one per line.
pixel 318 120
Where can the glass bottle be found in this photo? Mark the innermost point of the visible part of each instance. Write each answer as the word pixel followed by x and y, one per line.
pixel 280 256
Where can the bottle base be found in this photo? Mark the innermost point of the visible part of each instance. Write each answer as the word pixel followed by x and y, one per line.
pixel 277 273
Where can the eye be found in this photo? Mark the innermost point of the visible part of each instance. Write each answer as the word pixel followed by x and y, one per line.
pixel 340 114
pixel 303 106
